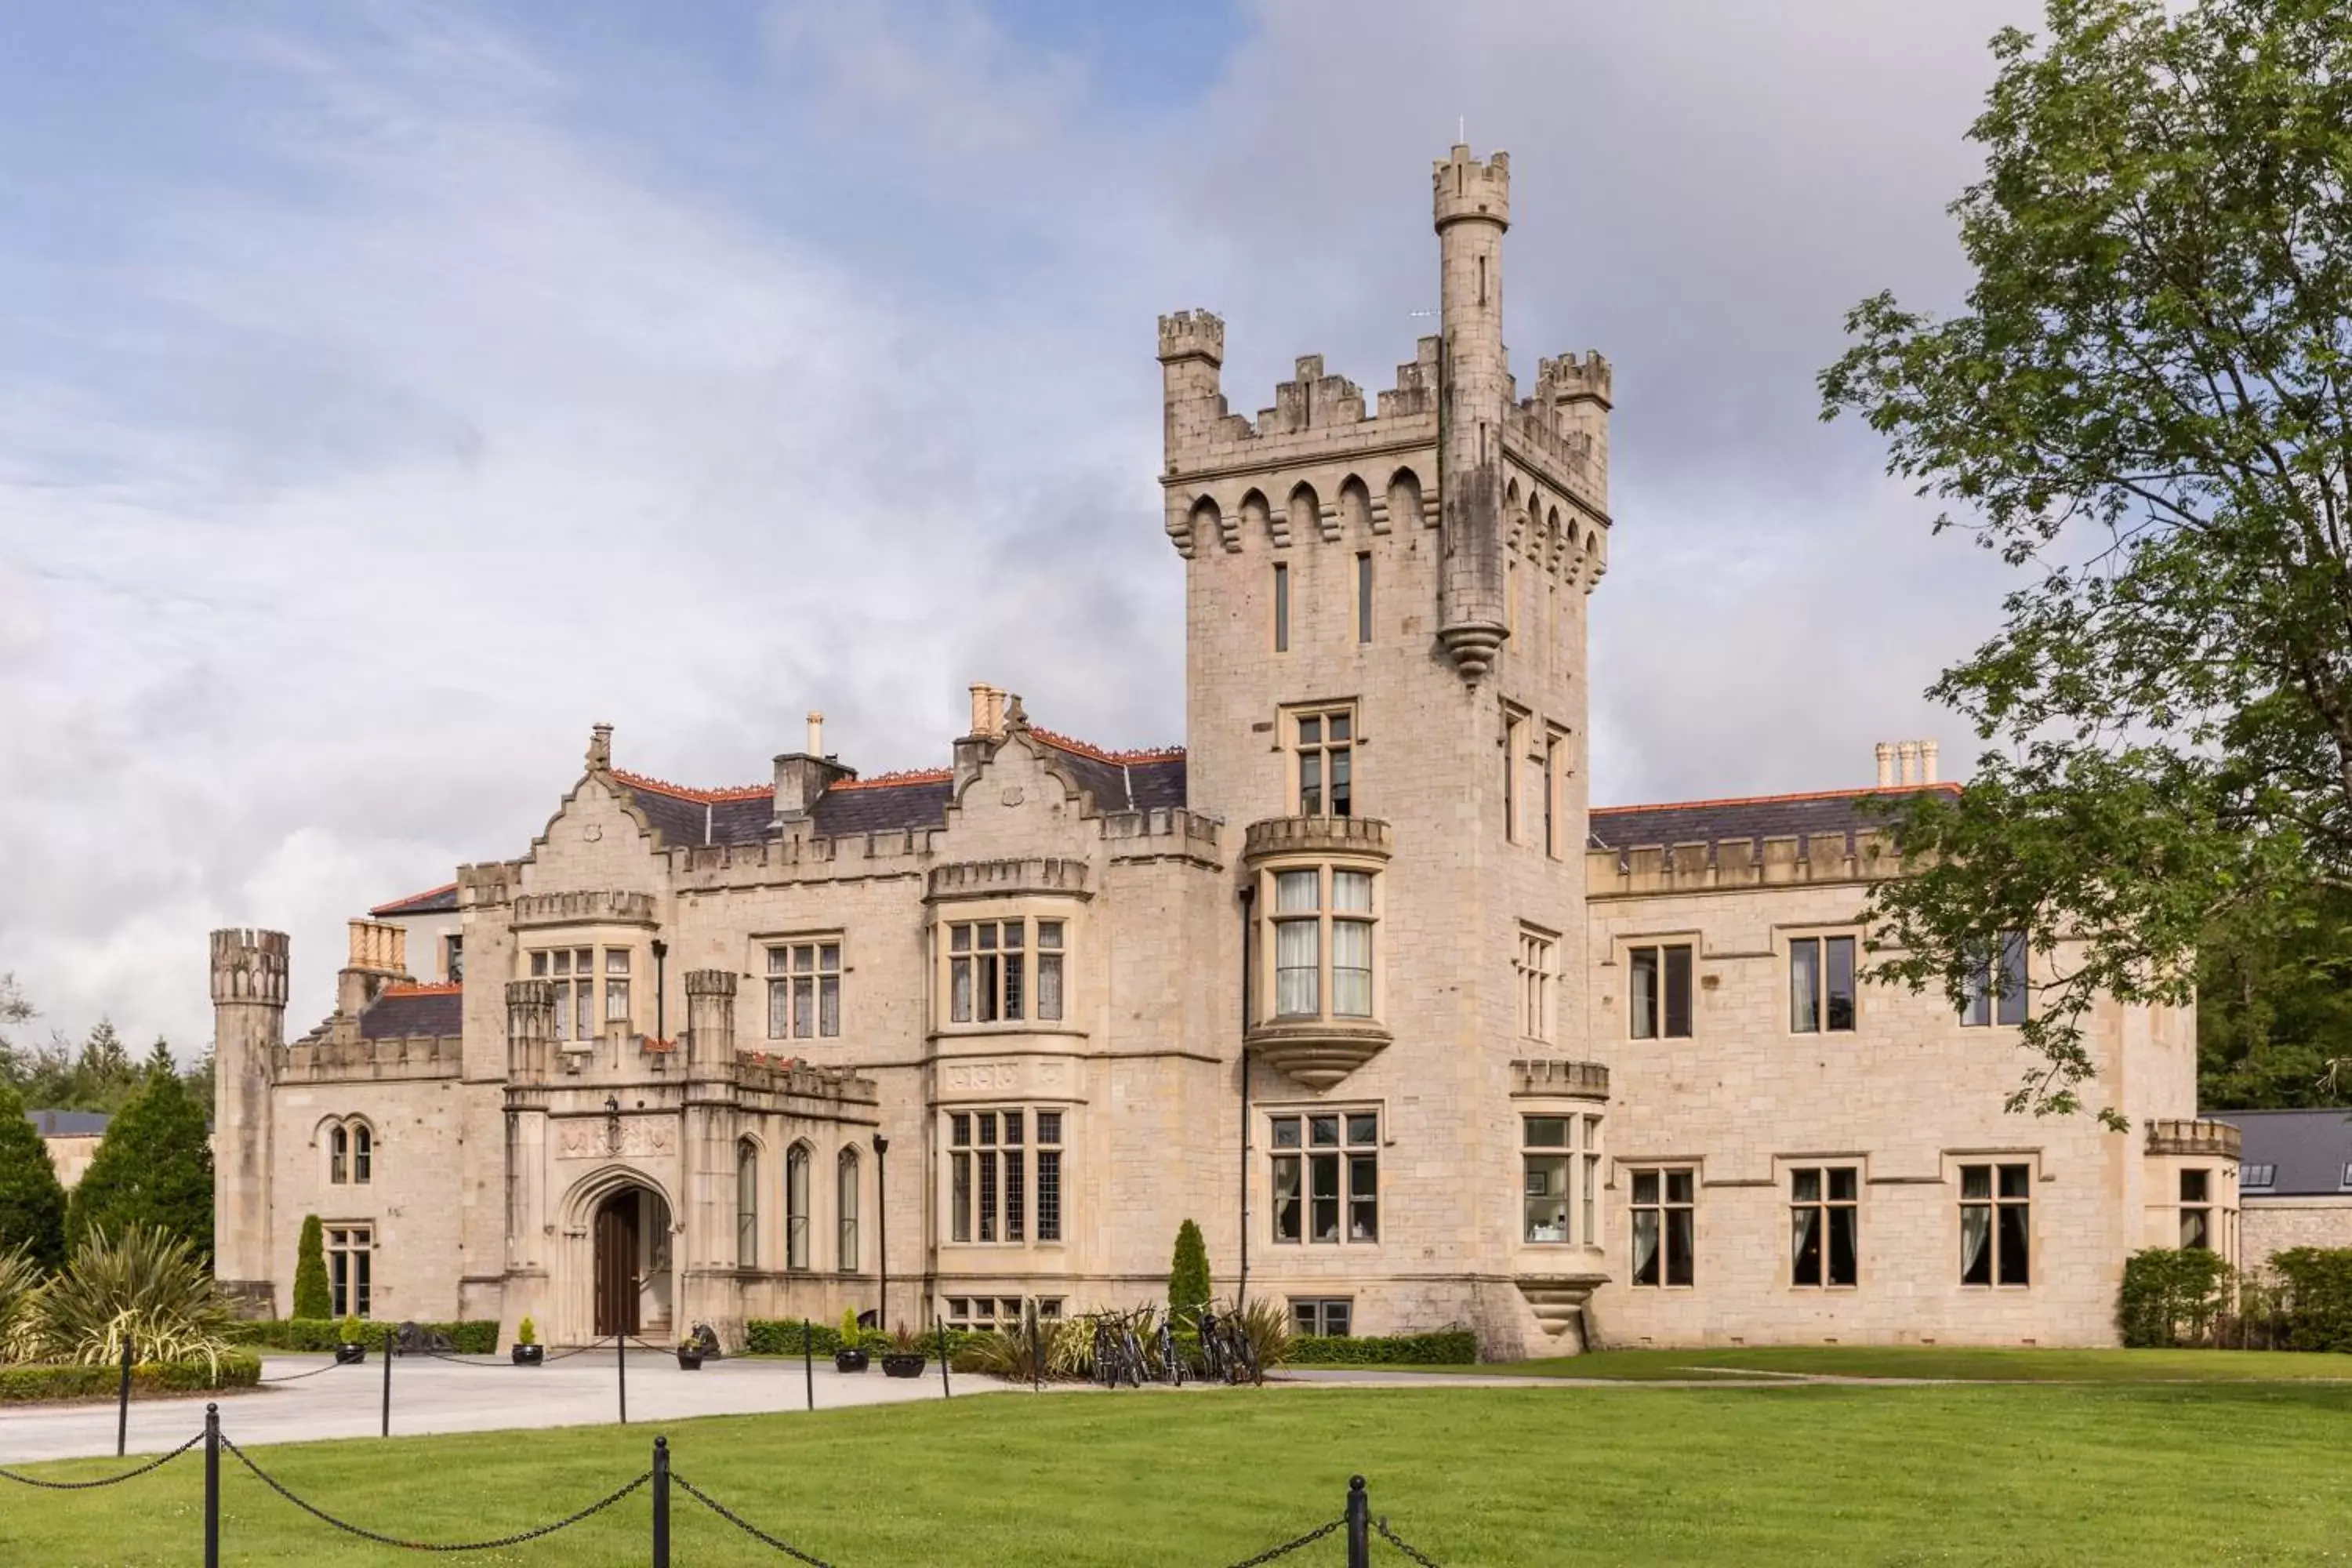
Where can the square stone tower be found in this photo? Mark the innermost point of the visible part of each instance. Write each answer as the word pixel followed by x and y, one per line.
pixel 1385 690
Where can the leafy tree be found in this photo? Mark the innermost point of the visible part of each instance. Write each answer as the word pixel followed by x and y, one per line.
pixel 2146 406
pixel 32 1205
pixel 14 1009
pixel 152 1169
pixel 1188 1275
pixel 200 1080
pixel 2274 1015
pixel 311 1297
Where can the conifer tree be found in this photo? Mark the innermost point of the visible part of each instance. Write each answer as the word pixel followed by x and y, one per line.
pixel 1188 1275
pixel 152 1169
pixel 32 1204
pixel 311 1297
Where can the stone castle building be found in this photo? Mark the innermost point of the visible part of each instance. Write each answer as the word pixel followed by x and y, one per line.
pixel 1357 980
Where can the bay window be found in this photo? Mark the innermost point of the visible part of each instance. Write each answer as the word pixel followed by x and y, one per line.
pixel 1005 971
pixel 1312 904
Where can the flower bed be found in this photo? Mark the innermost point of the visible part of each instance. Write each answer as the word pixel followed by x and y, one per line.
pixel 25 1383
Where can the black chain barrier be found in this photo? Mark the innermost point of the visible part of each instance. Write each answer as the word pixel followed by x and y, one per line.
pixel 1287 1547
pixel 155 1464
pixel 599 1506
pixel 299 1376
pixel 1382 1526
pixel 745 1525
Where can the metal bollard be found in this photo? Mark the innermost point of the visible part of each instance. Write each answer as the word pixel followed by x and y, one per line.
pixel 211 1486
pixel 391 1345
pixel 1360 1525
pixel 808 1359
pixel 661 1502
pixel 122 1402
pixel 621 1362
pixel 945 1391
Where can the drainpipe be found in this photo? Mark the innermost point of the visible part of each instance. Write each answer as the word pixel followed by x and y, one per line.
pixel 1249 897
pixel 661 989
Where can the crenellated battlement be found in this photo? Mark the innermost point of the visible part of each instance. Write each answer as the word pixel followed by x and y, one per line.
pixel 1723 864
pixel 588 906
pixel 1461 186
pixel 340 1058
pixel 1312 401
pixel 1052 874
pixel 249 965
pixel 487 883
pixel 1192 334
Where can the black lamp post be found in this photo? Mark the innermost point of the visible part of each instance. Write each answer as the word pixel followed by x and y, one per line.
pixel 882 1225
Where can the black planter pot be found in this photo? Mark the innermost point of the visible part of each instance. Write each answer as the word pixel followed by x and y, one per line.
pixel 902 1364
pixel 350 1355
pixel 848 1361
pixel 689 1361
pixel 527 1355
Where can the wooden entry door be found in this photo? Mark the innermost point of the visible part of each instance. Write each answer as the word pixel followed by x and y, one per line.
pixel 616 1266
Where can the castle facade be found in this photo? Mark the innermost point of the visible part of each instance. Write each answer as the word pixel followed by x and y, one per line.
pixel 1357 980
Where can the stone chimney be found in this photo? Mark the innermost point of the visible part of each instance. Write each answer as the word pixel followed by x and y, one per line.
pixel 802 777
pixel 1905 764
pixel 379 957
pixel 987 732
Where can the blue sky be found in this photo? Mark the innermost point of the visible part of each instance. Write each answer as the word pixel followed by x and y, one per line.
pixel 389 391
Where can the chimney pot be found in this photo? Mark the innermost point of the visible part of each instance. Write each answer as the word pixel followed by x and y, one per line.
pixel 815 733
pixel 1927 750
pixel 1886 763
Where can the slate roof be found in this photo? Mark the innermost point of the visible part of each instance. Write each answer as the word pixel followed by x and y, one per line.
pixel 69 1123
pixel 2310 1151
pixel 896 802
pixel 402 1010
pixel 1837 812
pixel 432 902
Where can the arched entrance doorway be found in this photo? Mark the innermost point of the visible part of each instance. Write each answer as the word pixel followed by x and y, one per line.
pixel 632 1267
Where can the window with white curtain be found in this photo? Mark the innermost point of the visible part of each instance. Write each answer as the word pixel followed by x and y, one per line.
pixel 747 1205
pixel 796 1207
pixel 846 1208
pixel 1323 912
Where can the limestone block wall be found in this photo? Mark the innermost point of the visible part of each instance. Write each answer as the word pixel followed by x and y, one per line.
pixel 410 1199
pixel 2267 1225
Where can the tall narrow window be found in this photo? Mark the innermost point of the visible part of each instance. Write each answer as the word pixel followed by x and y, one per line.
pixel 1535 966
pixel 1512 725
pixel 960 1176
pixel 845 1206
pixel 1995 983
pixel 1325 753
pixel 351 1269
pixel 985 1156
pixel 2196 1217
pixel 1351 944
pixel 1664 1226
pixel 616 986
pixel 1591 1181
pixel 1281 607
pixel 796 1207
pixel 1297 944
pixel 339 1155
pixel 1545 1168
pixel 1049 1175
pixel 1821 984
pixel 1658 992
pixel 1995 1224
pixel 1287 1224
pixel 1016 1168
pixel 1049 970
pixel 747 1205
pixel 1364 595
pixel 363 1155
pixel 1824 1220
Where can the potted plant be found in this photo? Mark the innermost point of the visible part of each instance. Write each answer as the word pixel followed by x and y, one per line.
pixel 351 1342
pixel 689 1355
pixel 849 1355
pixel 905 1356
pixel 526 1350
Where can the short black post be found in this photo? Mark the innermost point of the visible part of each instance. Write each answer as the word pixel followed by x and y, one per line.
pixel 1036 1354
pixel 391 1343
pixel 945 1391
pixel 620 1363
pixel 122 1402
pixel 1360 1525
pixel 211 1486
pixel 808 1359
pixel 661 1502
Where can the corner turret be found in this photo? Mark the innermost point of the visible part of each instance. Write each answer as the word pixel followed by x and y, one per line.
pixel 248 978
pixel 1472 202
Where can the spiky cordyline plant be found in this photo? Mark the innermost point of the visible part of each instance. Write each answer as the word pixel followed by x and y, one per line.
pixel 142 1285
pixel 20 1282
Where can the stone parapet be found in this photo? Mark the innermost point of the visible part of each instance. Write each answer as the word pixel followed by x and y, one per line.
pixel 337 1061
pixel 1315 835
pixel 249 966
pixel 2219 1140
pixel 1738 863
pixel 598 907
pixel 997 879
pixel 1548 1075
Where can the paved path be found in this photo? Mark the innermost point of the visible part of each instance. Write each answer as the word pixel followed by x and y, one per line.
pixel 476 1395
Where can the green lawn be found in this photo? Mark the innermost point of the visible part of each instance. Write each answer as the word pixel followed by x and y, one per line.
pixel 1964 1364
pixel 2203 1476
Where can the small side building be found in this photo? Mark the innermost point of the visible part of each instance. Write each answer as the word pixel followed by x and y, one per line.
pixel 72 1138
pixel 2294 1181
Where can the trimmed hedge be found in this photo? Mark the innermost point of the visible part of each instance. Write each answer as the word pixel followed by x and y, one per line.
pixel 476 1336
pixel 2172 1296
pixel 782 1336
pixel 40 1381
pixel 1440 1347
pixel 2315 1291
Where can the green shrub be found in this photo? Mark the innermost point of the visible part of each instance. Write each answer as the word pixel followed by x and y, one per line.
pixel 145 1286
pixel 474 1336
pixel 1440 1347
pixel 153 1168
pixel 1188 1275
pixel 311 1297
pixel 782 1336
pixel 2172 1296
pixel 32 1205
pixel 67 1380
pixel 2315 1296
pixel 526 1332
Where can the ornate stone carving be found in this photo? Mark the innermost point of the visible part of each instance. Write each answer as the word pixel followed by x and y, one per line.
pixel 636 1136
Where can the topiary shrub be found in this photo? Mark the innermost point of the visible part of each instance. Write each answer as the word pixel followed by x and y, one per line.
pixel 311 1298
pixel 1188 1275
pixel 2172 1296
pixel 32 1204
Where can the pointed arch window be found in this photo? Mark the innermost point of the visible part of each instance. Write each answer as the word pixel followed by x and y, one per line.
pixel 845 1207
pixel 350 1155
pixel 747 1205
pixel 796 1207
